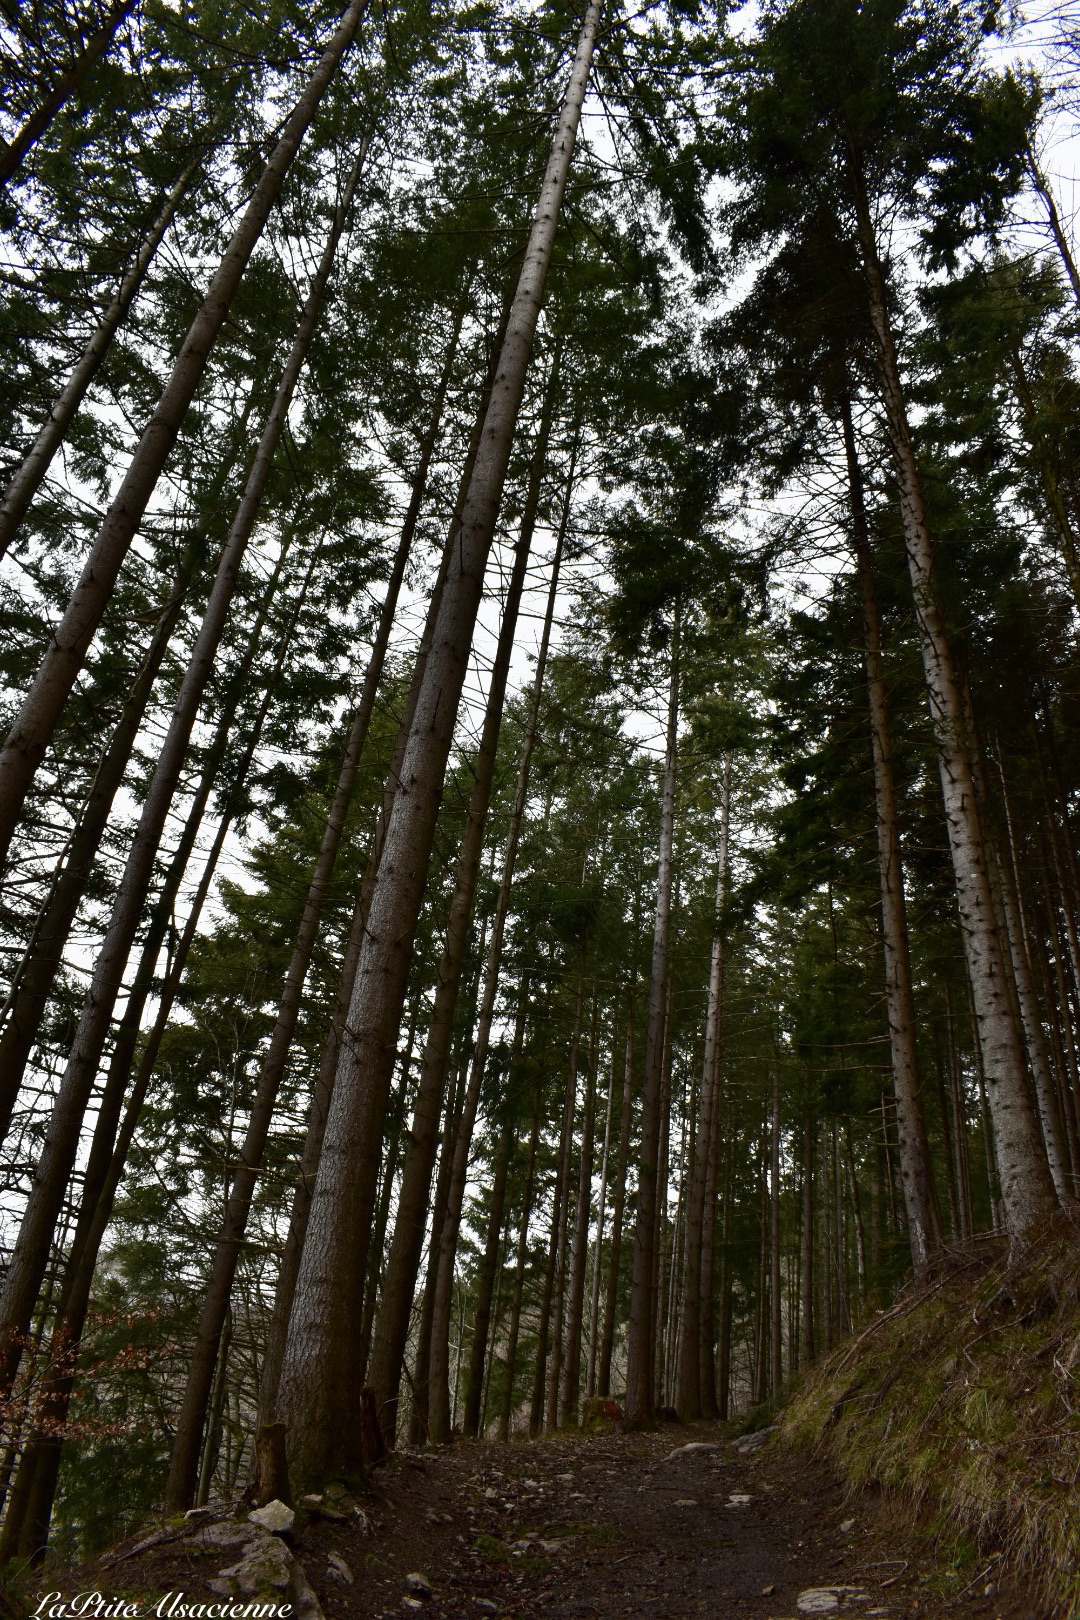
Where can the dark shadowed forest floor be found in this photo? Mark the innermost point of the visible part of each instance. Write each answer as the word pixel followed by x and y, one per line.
pixel 664 1524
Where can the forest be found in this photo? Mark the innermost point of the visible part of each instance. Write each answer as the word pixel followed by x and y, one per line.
pixel 540 574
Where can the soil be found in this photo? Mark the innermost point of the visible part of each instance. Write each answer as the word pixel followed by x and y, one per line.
pixel 627 1525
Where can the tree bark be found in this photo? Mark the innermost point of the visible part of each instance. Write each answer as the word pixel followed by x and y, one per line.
pixel 485 1287
pixel 639 1368
pixel 28 997
pixel 183 1465
pixel 26 480
pixel 707 1312
pixel 29 736
pixel 611 1294
pixel 392 1321
pixel 579 1245
pixel 1061 241
pixel 1026 1189
pixel 284 1293
pixel 26 1528
pixel 598 1241
pixel 61 1145
pixel 924 1226
pixel 318 1388
pixel 35 126
pixel 507 1407
pixel 695 1347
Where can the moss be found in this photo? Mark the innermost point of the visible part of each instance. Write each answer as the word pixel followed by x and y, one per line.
pixel 492 1547
pixel 964 1400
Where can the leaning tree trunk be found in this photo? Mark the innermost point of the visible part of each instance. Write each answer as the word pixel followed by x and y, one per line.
pixel 29 737
pixel 27 1519
pixel 642 1329
pixel 438 1415
pixel 26 1522
pixel 392 1322
pixel 61 1146
pixel 93 49
pixel 1026 1188
pixel 318 1111
pixel 28 998
pixel 183 1469
pixel 318 1385
pixel 1057 231
pixel 916 1175
pixel 27 478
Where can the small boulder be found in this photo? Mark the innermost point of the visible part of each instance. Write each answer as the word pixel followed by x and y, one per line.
pixel 747 1443
pixel 689 1450
pixel 276 1516
pixel 419 1585
pixel 338 1568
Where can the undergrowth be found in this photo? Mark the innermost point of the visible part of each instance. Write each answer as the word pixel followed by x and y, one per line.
pixel 964 1398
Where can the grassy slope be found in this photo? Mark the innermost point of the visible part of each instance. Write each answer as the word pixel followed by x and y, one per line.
pixel 964 1399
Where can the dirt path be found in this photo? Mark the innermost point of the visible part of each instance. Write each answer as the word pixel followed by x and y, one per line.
pixel 641 1526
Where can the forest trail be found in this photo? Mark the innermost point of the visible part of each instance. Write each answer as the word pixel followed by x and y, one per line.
pixel 644 1526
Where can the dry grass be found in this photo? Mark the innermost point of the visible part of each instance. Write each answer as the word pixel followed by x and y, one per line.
pixel 964 1399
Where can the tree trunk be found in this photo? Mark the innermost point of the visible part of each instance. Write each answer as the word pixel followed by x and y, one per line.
pixel 273 1357
pixel 707 1308
pixel 211 1320
pixel 639 1369
pixel 29 736
pixel 696 1310
pixel 924 1226
pixel 611 1295
pixel 28 997
pixel 376 1248
pixel 418 1420
pixel 61 1145
pixel 392 1322
pixel 1053 1132
pixel 35 126
pixel 1061 241
pixel 108 1157
pixel 1026 1189
pixel 27 478
pixel 598 1241
pixel 507 1406
pixel 485 1287
pixel 579 1245
pixel 318 1389
pixel 776 1369
pixel 807 1281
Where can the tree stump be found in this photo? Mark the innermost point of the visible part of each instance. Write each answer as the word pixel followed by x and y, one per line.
pixel 271 1467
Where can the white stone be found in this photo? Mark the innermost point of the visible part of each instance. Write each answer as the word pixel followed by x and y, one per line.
pixel 418 1583
pixel 689 1450
pixel 276 1517
pixel 818 1600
